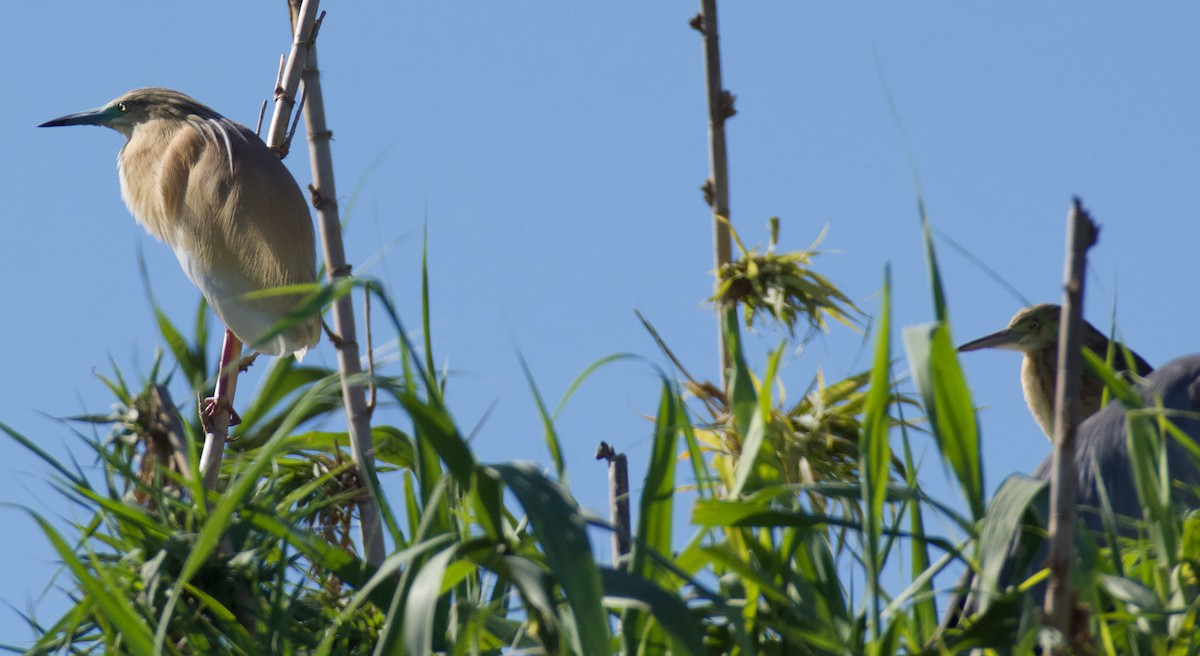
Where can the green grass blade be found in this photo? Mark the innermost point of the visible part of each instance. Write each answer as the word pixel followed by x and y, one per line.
pixel 876 456
pixel 1147 459
pixel 924 609
pixel 487 496
pixel 193 368
pixel 700 471
pixel 940 310
pixel 943 388
pixel 757 468
pixel 283 377
pixel 534 585
pixel 552 441
pixel 591 369
pixel 940 380
pixel 1147 432
pixel 425 304
pixel 136 637
pixel 561 531
pixel 421 607
pixel 72 477
pixel 1003 521
pixel 742 395
pixel 668 610
pixel 435 427
pixel 655 508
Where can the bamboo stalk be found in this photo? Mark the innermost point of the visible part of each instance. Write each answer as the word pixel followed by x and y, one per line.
pixel 1059 602
pixel 303 24
pixel 324 197
pixel 716 188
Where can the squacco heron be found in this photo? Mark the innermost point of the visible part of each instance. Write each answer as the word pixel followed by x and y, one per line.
pixel 227 206
pixel 1034 332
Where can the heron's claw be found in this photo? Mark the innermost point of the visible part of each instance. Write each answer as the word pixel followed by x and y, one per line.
pixel 211 405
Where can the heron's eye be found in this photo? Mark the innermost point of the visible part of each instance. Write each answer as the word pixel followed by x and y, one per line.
pixel 1034 325
pixel 122 108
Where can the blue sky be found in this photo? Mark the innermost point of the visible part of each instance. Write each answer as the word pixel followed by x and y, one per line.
pixel 554 151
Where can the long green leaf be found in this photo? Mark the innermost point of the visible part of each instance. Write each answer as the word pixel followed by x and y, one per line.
pixel 656 507
pixel 1152 479
pixel 587 373
pixel 422 604
pixel 283 377
pixel 875 461
pixel 743 398
pixel 1003 521
pixel 559 528
pixel 534 585
pixel 194 371
pixel 72 477
pixel 668 610
pixel 435 426
pixel 136 637
pixel 924 613
pixel 552 441
pixel 943 388
pixel 655 511
pixel 940 309
pixel 426 302
pixel 934 363
pixel 755 467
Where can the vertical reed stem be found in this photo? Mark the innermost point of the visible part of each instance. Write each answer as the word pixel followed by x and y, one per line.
pixel 303 63
pixel 720 108
pixel 1081 235
pixel 618 503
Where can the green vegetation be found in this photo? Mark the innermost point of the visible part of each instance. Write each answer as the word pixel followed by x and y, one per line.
pixel 807 523
pixel 787 503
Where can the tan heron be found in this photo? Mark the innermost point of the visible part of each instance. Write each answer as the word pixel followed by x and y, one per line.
pixel 227 206
pixel 1034 332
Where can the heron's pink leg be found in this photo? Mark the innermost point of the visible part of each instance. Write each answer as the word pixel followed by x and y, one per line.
pixel 216 413
pixel 229 367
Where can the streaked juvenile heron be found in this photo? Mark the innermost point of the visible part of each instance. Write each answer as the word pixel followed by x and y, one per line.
pixel 1034 332
pixel 227 206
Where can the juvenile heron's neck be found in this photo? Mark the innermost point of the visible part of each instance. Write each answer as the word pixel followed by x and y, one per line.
pixel 1039 371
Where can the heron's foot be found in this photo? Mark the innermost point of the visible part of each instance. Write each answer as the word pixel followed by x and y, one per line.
pixel 209 408
pixel 245 363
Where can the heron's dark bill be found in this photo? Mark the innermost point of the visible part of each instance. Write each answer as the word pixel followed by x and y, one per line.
pixel 98 116
pixel 1003 339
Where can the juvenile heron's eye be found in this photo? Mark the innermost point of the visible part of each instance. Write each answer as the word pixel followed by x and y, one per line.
pixel 122 108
